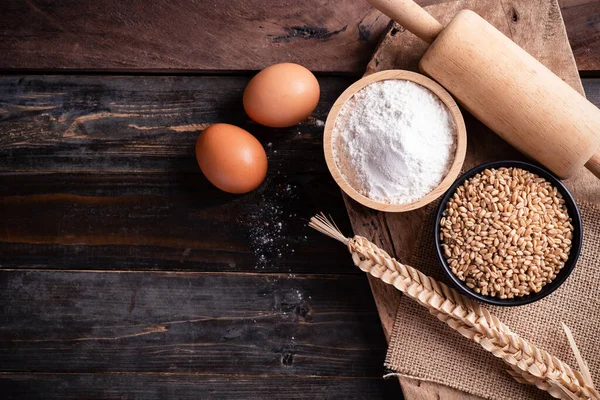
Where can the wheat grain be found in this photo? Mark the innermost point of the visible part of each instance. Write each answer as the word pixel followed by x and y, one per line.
pixel 529 364
pixel 506 232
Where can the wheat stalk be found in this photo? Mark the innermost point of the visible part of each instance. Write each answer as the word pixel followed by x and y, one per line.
pixel 529 364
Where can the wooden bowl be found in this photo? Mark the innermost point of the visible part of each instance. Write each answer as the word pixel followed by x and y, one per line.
pixel 442 94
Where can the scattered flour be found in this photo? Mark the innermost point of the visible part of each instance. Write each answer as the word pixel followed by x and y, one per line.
pixel 268 223
pixel 394 141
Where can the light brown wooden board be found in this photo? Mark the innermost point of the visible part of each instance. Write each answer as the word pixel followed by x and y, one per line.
pixel 537 26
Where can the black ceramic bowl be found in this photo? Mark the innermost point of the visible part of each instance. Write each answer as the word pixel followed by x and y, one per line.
pixel 563 273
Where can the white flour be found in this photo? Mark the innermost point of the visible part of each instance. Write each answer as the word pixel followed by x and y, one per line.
pixel 394 141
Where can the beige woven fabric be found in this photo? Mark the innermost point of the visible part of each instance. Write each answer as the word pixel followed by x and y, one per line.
pixel 424 348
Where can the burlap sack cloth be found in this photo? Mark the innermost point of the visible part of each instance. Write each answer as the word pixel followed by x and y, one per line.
pixel 425 348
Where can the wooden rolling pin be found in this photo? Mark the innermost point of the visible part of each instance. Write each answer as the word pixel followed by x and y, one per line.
pixel 506 88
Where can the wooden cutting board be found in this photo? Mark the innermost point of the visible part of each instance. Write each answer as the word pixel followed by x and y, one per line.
pixel 535 25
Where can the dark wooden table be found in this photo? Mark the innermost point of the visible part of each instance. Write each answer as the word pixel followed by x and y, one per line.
pixel 124 273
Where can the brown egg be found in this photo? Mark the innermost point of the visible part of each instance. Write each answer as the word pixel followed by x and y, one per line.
pixel 231 158
pixel 281 95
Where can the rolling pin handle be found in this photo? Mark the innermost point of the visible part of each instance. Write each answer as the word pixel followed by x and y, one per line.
pixel 594 164
pixel 411 16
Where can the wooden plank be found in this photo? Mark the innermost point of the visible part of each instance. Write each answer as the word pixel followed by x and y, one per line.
pixel 582 20
pixel 182 35
pixel 537 27
pixel 591 88
pixel 190 386
pixel 167 222
pixel 185 35
pixel 112 185
pixel 140 123
pixel 190 323
pixel 110 161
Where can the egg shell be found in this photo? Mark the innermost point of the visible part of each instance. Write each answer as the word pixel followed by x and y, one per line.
pixel 231 158
pixel 281 95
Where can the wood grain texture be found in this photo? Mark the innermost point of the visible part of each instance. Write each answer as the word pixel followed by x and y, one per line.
pixel 537 28
pixel 120 124
pixel 593 164
pixel 186 35
pixel 110 161
pixel 582 21
pixel 108 329
pixel 99 158
pixel 166 222
pixel 411 16
pixel 208 323
pixel 98 173
pixel 189 386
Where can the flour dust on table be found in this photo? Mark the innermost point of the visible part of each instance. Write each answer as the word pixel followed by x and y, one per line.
pixel 394 141
pixel 267 222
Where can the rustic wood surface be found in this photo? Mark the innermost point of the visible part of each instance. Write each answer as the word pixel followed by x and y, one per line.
pixel 520 20
pixel 123 272
pixel 194 323
pixel 186 386
pixel 582 20
pixel 183 35
pixel 100 193
pixel 111 162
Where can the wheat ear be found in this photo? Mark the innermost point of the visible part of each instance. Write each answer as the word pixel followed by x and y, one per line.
pixel 529 364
